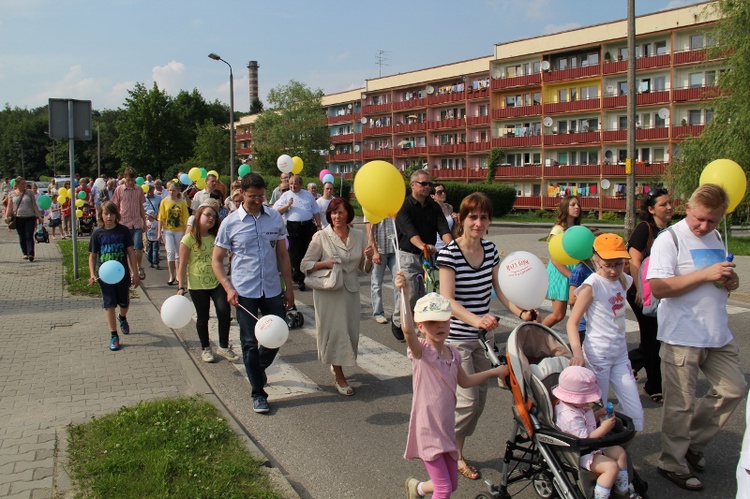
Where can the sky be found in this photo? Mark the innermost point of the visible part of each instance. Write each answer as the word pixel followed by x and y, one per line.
pixel 99 49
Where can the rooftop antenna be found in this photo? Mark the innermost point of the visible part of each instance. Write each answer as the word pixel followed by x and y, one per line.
pixel 380 60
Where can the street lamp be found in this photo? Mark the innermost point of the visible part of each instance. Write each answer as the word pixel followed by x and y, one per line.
pixel 216 57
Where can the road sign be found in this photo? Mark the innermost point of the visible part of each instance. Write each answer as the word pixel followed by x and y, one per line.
pixel 59 119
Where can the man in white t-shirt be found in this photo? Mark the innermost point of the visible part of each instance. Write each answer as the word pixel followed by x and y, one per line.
pixel 201 196
pixel 693 280
pixel 324 201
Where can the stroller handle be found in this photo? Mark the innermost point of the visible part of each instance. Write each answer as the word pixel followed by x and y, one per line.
pixel 490 352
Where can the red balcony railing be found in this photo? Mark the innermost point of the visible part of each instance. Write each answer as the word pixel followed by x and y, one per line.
pixel 342 138
pixel 613 67
pixel 448 149
pixel 533 171
pixel 345 118
pixel 660 133
pixel 615 135
pixel 528 141
pixel 512 112
pixel 454 123
pixel 480 93
pixel 529 202
pixel 244 150
pixel 478 120
pixel 410 104
pixel 379 153
pixel 690 56
pixel 694 94
pixel 411 127
pixel 576 105
pixel 654 61
pixel 571 74
pixel 243 136
pixel 479 146
pixel 377 108
pixel 517 81
pixel 445 98
pixel 462 173
pixel 572 138
pixel 410 151
pixel 572 171
pixel 342 156
pixel 613 102
pixel 376 130
pixel 680 132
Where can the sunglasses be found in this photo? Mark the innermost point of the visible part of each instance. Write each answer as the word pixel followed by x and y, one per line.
pixel 655 193
pixel 424 183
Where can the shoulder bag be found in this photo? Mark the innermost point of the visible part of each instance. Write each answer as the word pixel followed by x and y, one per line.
pixel 11 219
pixel 326 279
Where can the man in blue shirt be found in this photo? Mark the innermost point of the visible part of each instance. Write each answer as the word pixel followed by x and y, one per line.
pixel 255 235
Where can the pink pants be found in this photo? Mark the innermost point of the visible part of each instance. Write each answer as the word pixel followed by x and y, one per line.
pixel 443 472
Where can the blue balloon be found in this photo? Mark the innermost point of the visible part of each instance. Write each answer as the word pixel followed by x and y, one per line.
pixel 111 272
pixel 185 179
pixel 328 178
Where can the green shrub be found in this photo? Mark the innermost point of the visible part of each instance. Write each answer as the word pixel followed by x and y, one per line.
pixel 611 216
pixel 502 195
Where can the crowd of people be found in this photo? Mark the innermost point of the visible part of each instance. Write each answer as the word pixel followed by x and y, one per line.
pixel 238 247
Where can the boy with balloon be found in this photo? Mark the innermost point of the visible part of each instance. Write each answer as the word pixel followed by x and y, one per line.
pixel 111 250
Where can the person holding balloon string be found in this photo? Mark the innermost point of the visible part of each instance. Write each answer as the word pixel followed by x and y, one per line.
pixel 173 216
pixel 111 256
pixel 197 275
pixel 63 197
pixel 568 214
pixel 469 269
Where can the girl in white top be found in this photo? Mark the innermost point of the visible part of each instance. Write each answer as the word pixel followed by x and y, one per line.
pixel 602 299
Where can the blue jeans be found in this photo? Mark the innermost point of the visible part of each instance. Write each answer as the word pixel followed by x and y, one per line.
pixel 152 253
pixel 376 282
pixel 257 357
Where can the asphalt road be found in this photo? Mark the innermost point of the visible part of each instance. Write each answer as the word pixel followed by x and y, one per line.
pixel 331 446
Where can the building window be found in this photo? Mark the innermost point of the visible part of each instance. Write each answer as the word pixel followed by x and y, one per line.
pixel 536 98
pixel 660 83
pixel 659 122
pixel 573 94
pixel 622 88
pixel 562 95
pixel 562 158
pixel 694 117
pixel 622 54
pixel 646 50
pixel 536 158
pixel 710 78
pixel 622 122
pixel 593 157
pixel 562 64
pixel 696 80
pixel 709 115
pixel 696 42
pixel 591 92
pixel 659 154
pixel 661 47
pixel 646 155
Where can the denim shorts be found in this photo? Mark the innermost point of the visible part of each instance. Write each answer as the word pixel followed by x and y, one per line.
pixel 137 239
pixel 114 295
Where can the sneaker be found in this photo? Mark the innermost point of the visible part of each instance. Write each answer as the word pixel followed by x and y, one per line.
pixel 207 355
pixel 157 267
pixel 380 319
pixel 260 405
pixel 114 343
pixel 397 332
pixel 227 353
pixel 141 273
pixel 411 488
pixel 124 326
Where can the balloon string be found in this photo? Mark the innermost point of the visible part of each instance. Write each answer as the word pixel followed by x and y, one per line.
pixel 248 312
pixel 395 245
pixel 726 239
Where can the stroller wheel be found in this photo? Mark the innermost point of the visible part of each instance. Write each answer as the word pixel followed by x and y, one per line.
pixel 543 485
pixel 299 319
pixel 290 320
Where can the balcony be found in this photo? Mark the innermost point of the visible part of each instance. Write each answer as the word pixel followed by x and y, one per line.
pixel 410 104
pixel 650 98
pixel 243 136
pixel 517 81
pixel 241 151
pixel 377 153
pixel 478 120
pixel 572 138
pixel 376 130
pixel 567 171
pixel 696 93
pixel 660 133
pixel 345 118
pixel 529 202
pixel 528 171
pixel 571 74
pixel 463 173
pixel 453 123
pixel 433 100
pixel 448 149
pixel 615 135
pixel 690 56
pixel 479 146
pixel 377 108
pixel 342 138
pixel 654 61
pixel 410 151
pixel 480 93
pixel 614 67
pixel 576 105
pixel 613 102
pixel 409 127
pixel 513 141
pixel 680 132
pixel 342 156
pixel 512 112
pixel 641 169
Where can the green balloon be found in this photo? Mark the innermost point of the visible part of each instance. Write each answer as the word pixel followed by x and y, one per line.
pixel 244 170
pixel 139 180
pixel 578 242
pixel 44 202
pixel 12 182
pixel 82 195
pixel 204 173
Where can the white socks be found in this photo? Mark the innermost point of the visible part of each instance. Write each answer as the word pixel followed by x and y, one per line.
pixel 622 482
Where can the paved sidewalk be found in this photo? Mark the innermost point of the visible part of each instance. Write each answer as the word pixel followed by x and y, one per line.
pixel 56 367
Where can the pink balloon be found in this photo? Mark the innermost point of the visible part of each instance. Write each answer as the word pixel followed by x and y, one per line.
pixel 323 173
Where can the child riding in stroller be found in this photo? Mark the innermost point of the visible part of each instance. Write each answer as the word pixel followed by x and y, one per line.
pixel 86 220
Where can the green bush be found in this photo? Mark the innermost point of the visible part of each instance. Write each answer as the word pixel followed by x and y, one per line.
pixel 502 195
pixel 611 216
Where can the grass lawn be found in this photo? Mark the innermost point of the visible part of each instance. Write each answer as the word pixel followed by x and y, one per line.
pixel 81 285
pixel 178 447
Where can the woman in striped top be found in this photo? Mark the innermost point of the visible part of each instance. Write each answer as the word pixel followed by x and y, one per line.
pixel 468 274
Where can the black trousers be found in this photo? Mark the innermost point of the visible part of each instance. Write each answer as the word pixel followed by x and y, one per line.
pixel 25 227
pixel 300 235
pixel 646 356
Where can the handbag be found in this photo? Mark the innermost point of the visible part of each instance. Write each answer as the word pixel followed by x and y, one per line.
pixel 326 279
pixel 11 219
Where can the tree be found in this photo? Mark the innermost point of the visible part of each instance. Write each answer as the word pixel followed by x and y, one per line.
pixel 256 106
pixel 728 134
pixel 497 156
pixel 211 147
pixel 295 125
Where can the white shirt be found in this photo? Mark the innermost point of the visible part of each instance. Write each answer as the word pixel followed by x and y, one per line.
pixel 605 318
pixel 323 204
pixel 699 317
pixel 199 198
pixel 303 208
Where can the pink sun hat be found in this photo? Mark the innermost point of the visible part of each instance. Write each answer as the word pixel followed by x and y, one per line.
pixel 578 385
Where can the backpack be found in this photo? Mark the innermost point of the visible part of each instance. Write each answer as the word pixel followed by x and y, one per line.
pixel 650 302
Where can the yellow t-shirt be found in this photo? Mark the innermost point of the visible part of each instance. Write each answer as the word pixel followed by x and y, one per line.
pixel 200 275
pixel 173 215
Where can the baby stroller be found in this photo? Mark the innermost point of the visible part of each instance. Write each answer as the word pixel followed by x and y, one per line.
pixel 537 451
pixel 428 281
pixel 86 222
pixel 41 235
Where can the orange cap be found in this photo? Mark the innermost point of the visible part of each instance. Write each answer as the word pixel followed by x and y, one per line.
pixel 610 247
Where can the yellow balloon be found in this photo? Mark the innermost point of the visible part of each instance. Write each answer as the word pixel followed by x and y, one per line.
pixel 79 203
pixel 61 199
pixel 380 188
pixel 79 213
pixel 214 173
pixel 145 188
pixel 557 252
pixel 298 164
pixel 62 192
pixel 373 219
pixel 729 175
pixel 194 174
pixel 174 180
pixel 200 183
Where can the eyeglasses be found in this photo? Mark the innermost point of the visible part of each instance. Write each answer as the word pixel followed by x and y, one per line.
pixel 255 197
pixel 439 191
pixel 655 193
pixel 424 183
pixel 209 215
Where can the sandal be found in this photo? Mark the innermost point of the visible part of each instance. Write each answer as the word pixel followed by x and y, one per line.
pixel 657 398
pixel 171 282
pixel 469 472
pixel 345 390
pixel 686 481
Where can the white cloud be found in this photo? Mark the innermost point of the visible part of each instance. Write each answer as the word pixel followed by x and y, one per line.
pixel 74 85
pixel 117 94
pixel 557 28
pixel 169 77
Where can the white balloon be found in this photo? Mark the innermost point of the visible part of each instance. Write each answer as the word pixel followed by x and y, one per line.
pixel 285 163
pixel 176 312
pixel 523 279
pixel 271 331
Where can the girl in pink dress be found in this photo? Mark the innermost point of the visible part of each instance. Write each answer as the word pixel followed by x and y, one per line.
pixel 437 370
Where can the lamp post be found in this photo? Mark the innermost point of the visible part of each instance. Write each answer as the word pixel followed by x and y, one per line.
pixel 216 57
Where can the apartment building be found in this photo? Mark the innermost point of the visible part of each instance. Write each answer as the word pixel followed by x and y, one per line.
pixel 555 106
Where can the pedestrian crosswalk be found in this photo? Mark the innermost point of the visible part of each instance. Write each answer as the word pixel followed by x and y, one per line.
pixel 285 380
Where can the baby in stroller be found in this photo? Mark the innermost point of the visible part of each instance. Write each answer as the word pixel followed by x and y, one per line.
pixel 41 235
pixel 86 221
pixel 577 392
